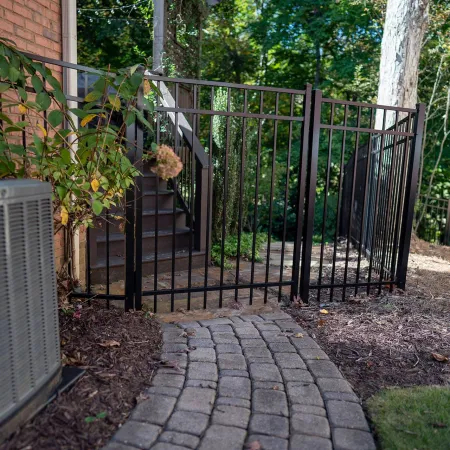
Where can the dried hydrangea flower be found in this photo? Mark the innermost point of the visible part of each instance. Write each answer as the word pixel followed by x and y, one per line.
pixel 167 163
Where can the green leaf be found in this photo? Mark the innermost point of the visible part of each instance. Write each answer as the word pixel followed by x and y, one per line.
pixel 4 87
pixel 93 96
pixel 131 117
pixel 62 192
pixel 23 94
pixel 134 68
pixel 101 415
pixel 14 74
pixel 43 100
pixel 65 156
pixel 37 84
pixel 115 101
pixel 4 67
pixel 53 82
pixel 97 207
pixel 5 118
pixel 78 112
pixel 89 419
pixel 55 118
pixel 59 95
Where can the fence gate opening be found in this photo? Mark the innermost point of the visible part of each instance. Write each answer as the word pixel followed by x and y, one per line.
pixel 283 194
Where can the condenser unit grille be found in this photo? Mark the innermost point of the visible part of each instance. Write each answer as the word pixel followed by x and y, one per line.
pixel 29 354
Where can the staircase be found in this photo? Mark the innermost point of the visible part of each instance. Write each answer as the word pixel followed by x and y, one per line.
pixel 171 242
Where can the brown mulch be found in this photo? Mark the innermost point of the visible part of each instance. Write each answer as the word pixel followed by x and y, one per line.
pixel 120 353
pixel 385 341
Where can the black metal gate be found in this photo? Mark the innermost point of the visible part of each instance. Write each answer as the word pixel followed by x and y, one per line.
pixel 283 193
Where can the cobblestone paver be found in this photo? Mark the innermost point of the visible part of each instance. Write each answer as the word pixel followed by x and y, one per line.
pixel 231 382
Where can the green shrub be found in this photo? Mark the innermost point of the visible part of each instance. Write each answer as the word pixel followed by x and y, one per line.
pixel 231 249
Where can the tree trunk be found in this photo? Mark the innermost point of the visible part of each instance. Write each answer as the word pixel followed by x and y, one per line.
pixel 404 28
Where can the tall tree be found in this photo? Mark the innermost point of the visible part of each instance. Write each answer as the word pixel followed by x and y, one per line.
pixel 404 28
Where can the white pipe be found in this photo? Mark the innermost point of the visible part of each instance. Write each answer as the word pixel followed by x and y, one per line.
pixel 158 35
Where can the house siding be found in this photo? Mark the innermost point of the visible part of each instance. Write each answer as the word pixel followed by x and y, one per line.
pixel 35 27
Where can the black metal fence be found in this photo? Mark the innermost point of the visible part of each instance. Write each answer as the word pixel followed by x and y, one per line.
pixel 283 194
pixel 433 219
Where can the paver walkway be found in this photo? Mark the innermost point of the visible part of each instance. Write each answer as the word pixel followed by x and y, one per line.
pixel 248 382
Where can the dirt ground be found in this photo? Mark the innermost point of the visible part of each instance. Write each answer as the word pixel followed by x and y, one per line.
pixel 119 352
pixel 390 340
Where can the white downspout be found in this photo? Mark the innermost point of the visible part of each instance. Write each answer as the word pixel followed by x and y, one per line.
pixel 158 35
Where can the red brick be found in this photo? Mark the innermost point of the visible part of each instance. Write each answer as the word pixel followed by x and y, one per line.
pixel 14 18
pixel 21 10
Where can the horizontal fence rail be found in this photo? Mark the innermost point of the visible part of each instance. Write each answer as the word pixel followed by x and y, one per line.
pixel 284 195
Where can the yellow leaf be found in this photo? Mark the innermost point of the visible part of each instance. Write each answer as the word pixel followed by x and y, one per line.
pixel 44 131
pixel 22 109
pixel 115 102
pixel 87 119
pixel 323 311
pixel 95 185
pixel 299 335
pixel 64 215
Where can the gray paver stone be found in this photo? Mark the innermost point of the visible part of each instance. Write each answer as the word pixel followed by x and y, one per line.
pixel 268 442
pixel 174 348
pixel 268 385
pixel 163 390
pixel 304 342
pixel 289 361
pixel 333 385
pixel 188 422
pixel 200 333
pixel 219 321
pixel 231 416
pixel 202 371
pixel 289 325
pixel 343 396
pixel 236 387
pixel 304 393
pixel 247 333
pixel 156 409
pixel 323 369
pixel 302 442
pixel 167 446
pixel 270 402
pixel 297 375
pixel 177 359
pixel 197 400
pixel 257 359
pixel 234 373
pixel 346 415
pixel 183 439
pixel 201 384
pixel 232 362
pixel 169 327
pixel 258 352
pixel 250 343
pixel 252 318
pixel 276 316
pixel 203 355
pixel 225 339
pixel 269 425
pixel 309 409
pixel 219 437
pixel 274 336
pixel 240 402
pixel 312 353
pixel 265 372
pixel 172 370
pixel 201 343
pixel 236 320
pixel 174 338
pixel 344 439
pixel 303 423
pixel 138 434
pixel 163 379
pixel 222 328
pixel 280 347
pixel 228 348
pixel 267 326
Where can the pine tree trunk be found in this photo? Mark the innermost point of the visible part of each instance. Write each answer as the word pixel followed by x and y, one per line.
pixel 404 28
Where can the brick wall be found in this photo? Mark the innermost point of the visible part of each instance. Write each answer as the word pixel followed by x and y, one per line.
pixel 35 27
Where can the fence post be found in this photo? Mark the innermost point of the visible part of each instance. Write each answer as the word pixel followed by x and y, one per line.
pixel 410 197
pixel 301 191
pixel 447 226
pixel 310 198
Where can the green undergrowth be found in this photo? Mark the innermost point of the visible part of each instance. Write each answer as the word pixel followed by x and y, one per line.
pixel 412 418
pixel 231 249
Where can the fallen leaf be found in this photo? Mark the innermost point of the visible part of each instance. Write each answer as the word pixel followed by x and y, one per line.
pixel 323 311
pixel 299 335
pixel 255 445
pixel 141 397
pixel 276 388
pixel 321 323
pixel 92 394
pixel 110 343
pixel 439 357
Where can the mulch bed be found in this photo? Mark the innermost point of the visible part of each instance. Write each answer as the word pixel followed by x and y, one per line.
pixel 385 341
pixel 120 354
